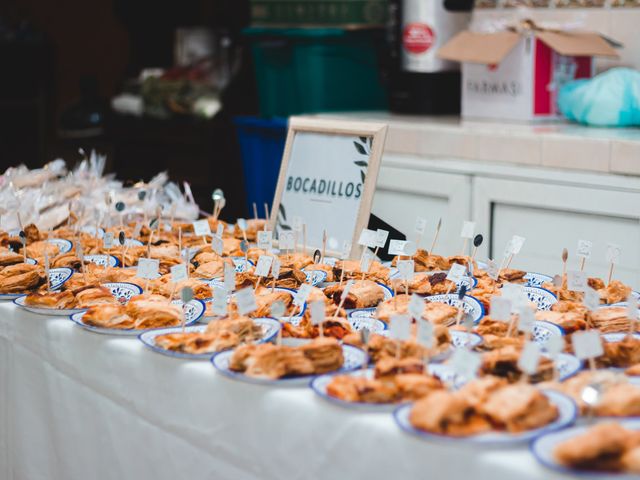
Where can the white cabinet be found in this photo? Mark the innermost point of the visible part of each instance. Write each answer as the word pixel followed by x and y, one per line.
pixel 403 193
pixel 555 216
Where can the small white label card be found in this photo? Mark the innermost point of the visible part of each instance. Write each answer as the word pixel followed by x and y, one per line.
pixel 584 248
pixel 264 265
pixel 396 247
pixel 515 293
pixel 468 228
pixel 246 301
pixel 242 224
pixel 219 304
pixel 529 358
pixel 406 269
pixel 367 238
pixel 220 229
pixel 318 312
pixel 202 228
pixel 416 306
pixel 346 290
pixel 229 277
pixel 493 270
pixel 576 281
pixel 456 273
pixel 425 334
pixel 365 260
pixel 465 363
pixel 381 237
pixel 554 345
pixel 265 239
pixel 148 268
pixel 613 253
pixel 217 245
pixel 516 243
pixel 178 273
pixel 400 327
pixel 526 319
pixel 346 250
pixel 500 308
pixel 587 344
pixel 107 240
pixel 420 225
pixel 591 298
pixel 275 267
pixel 278 309
pixel 302 294
pixel 287 240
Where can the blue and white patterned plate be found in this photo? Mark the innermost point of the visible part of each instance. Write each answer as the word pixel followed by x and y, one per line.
pixel 534 279
pixel 192 311
pixel 102 260
pixel 57 278
pixel 543 447
pixel 241 264
pixel 123 291
pixel 315 277
pixel 543 330
pixel 567 365
pixel 52 312
pixel 364 318
pixel 543 298
pixel 64 246
pixel 567 413
pixel 460 339
pixel 353 359
pixel 470 305
pixel 92 231
pixel 270 328
pixel 319 386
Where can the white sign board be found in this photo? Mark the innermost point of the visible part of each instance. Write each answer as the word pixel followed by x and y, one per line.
pixel 327 177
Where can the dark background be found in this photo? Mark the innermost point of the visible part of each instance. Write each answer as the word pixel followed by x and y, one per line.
pixel 49 48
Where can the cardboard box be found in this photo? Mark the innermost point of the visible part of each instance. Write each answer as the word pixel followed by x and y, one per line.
pixel 516 75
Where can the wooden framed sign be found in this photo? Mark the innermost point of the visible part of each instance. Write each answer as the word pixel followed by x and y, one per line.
pixel 327 180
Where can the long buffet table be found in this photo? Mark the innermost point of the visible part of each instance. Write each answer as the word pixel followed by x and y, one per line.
pixel 78 405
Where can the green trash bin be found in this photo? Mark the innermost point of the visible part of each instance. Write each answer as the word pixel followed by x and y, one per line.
pixel 311 70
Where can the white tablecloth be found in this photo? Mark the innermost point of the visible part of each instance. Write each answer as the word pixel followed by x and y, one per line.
pixel 78 405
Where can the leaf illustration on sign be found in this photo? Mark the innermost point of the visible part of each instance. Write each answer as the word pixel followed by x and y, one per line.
pixel 282 218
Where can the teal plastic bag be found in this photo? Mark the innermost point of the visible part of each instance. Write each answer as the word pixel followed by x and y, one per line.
pixel 611 99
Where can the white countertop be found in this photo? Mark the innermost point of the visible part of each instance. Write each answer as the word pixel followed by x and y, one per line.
pixel 558 144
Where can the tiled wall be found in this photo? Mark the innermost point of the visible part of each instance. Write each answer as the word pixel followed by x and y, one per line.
pixel 618 19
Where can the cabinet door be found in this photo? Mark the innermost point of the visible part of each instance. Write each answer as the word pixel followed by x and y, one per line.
pixel 554 216
pixel 403 193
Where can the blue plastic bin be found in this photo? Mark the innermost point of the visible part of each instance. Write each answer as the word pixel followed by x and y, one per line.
pixel 261 147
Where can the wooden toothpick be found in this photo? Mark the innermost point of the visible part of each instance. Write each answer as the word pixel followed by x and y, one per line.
pixel 435 237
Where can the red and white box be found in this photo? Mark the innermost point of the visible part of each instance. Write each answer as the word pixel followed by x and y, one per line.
pixel 513 75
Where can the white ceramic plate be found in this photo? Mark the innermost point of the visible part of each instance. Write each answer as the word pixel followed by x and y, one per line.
pixel 567 413
pixel 542 449
pixel 315 277
pixel 270 328
pixel 51 312
pixel 534 279
pixel 353 359
pixel 193 311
